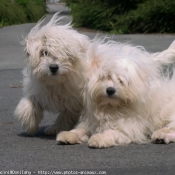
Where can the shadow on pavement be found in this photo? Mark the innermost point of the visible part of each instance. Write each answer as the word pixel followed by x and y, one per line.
pixel 40 134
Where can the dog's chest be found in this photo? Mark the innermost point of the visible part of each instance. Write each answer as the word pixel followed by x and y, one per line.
pixel 54 100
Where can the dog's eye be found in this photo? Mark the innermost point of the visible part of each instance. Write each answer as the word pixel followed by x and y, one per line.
pixel 120 81
pixel 108 77
pixel 71 59
pixel 28 54
pixel 44 53
pixel 101 78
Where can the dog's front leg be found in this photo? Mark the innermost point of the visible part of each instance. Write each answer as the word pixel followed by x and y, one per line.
pixel 78 135
pixel 164 135
pixel 65 121
pixel 30 115
pixel 107 139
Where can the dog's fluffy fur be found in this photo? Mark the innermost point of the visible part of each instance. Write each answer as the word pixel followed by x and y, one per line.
pixel 127 97
pixel 52 76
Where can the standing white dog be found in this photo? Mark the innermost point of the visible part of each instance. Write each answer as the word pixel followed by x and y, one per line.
pixel 52 76
pixel 127 98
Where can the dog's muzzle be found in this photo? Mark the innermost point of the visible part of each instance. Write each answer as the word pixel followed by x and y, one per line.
pixel 110 91
pixel 53 68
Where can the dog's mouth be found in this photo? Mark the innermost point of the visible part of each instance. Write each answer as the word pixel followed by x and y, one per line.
pixel 54 74
pixel 105 99
pixel 108 103
pixel 111 97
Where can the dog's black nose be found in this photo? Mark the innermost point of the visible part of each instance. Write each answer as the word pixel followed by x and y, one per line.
pixel 110 91
pixel 53 68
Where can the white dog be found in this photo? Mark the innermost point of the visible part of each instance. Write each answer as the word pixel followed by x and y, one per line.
pixel 127 98
pixel 52 76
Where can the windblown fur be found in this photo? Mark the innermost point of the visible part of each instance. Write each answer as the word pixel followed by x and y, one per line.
pixel 127 96
pixel 55 62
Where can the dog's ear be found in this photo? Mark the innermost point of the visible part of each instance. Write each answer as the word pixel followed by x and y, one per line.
pixel 94 64
pixel 93 61
pixel 33 49
pixel 33 43
pixel 137 77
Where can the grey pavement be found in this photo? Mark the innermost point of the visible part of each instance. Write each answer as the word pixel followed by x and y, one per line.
pixel 40 153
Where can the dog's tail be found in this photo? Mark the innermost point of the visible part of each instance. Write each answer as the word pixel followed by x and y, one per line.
pixel 167 56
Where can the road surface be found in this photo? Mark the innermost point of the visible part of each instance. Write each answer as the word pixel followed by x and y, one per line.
pixel 40 153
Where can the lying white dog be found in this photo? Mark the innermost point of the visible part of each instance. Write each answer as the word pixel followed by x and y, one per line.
pixel 52 76
pixel 127 98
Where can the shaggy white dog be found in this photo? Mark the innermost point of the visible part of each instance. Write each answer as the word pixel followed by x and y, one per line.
pixel 52 76
pixel 127 97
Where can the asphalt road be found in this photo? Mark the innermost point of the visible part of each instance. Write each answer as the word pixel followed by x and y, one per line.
pixel 40 153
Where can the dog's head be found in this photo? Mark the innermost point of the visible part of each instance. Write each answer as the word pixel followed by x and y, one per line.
pixel 118 74
pixel 55 51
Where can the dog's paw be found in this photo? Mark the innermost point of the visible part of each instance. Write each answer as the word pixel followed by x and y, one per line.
pixel 66 137
pixel 32 130
pixel 164 135
pixel 51 130
pixel 98 141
